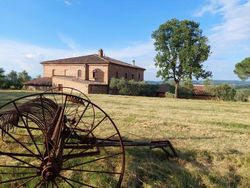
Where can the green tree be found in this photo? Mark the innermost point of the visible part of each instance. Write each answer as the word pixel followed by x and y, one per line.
pixel 242 69
pixel 181 50
pixel 2 78
pixel 13 80
pixel 24 76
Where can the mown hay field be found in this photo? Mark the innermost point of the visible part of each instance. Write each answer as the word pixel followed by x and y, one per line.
pixel 212 139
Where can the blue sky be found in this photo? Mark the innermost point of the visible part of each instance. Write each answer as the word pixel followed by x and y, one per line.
pixel 34 31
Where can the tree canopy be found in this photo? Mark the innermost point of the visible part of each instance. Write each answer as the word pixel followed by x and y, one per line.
pixel 242 69
pixel 181 50
pixel 13 79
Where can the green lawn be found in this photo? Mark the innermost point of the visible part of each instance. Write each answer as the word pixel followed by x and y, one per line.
pixel 212 139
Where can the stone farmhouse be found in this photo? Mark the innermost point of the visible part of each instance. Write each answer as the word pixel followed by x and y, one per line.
pixel 89 74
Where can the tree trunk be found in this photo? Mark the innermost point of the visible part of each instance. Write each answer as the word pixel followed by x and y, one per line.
pixel 176 90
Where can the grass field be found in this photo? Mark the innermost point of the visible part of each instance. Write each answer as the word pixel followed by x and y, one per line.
pixel 212 139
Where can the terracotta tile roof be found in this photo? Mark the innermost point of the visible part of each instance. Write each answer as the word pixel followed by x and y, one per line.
pixel 75 79
pixel 45 81
pixel 200 90
pixel 92 59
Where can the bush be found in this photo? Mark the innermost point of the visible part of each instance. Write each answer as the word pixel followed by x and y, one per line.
pixel 223 92
pixel 241 96
pixel 132 87
pixel 169 95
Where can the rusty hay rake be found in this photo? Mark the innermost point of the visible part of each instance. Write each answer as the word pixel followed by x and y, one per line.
pixel 62 139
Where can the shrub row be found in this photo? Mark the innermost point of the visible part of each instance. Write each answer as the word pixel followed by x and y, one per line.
pixel 132 87
pixel 225 92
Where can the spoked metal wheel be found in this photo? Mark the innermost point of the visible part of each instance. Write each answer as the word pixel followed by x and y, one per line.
pixel 52 140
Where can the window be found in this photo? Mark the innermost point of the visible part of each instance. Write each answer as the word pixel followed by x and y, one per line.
pixel 139 75
pixel 116 75
pixel 53 72
pixel 79 73
pixel 94 73
pixel 126 75
pixel 132 76
pixel 65 72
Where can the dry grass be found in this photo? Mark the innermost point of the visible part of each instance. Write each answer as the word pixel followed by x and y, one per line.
pixel 212 139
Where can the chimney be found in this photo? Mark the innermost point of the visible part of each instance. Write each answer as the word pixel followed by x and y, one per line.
pixel 133 62
pixel 100 53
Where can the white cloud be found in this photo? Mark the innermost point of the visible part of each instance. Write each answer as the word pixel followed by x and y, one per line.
pixel 68 3
pixel 22 56
pixel 229 39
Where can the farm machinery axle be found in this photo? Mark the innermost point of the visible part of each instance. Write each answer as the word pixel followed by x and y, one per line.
pixel 56 139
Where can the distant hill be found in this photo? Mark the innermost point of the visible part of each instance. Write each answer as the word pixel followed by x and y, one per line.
pixel 238 84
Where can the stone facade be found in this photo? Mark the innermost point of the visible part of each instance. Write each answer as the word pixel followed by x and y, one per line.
pixel 91 73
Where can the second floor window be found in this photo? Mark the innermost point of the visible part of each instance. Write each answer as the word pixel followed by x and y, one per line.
pixel 132 76
pixel 94 73
pixel 79 73
pixel 65 72
pixel 53 72
pixel 116 74
pixel 126 75
pixel 139 76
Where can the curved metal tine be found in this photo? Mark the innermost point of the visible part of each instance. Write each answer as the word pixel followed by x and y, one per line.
pixel 89 148
pixel 19 143
pixel 25 182
pixel 91 161
pixel 23 178
pixel 58 139
pixel 52 91
pixel 73 128
pixel 67 103
pixel 44 121
pixel 26 125
pixel 77 182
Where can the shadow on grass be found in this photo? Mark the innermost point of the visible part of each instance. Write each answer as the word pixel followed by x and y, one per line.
pixel 152 168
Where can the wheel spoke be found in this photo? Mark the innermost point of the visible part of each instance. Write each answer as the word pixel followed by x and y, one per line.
pixel 17 154
pixel 87 162
pixel 25 124
pixel 94 171
pixel 17 173
pixel 26 182
pixel 8 181
pixel 22 161
pixel 77 182
pixel 72 129
pixel 39 183
pixel 6 132
pixel 12 166
pixel 67 181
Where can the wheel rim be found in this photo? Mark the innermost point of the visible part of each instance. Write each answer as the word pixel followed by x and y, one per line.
pixel 80 159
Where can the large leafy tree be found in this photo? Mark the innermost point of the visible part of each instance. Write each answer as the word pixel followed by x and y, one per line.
pixel 181 50
pixel 242 69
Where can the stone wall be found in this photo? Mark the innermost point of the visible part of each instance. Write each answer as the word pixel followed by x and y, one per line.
pixel 69 83
pixel 41 88
pixel 132 73
pixel 98 89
